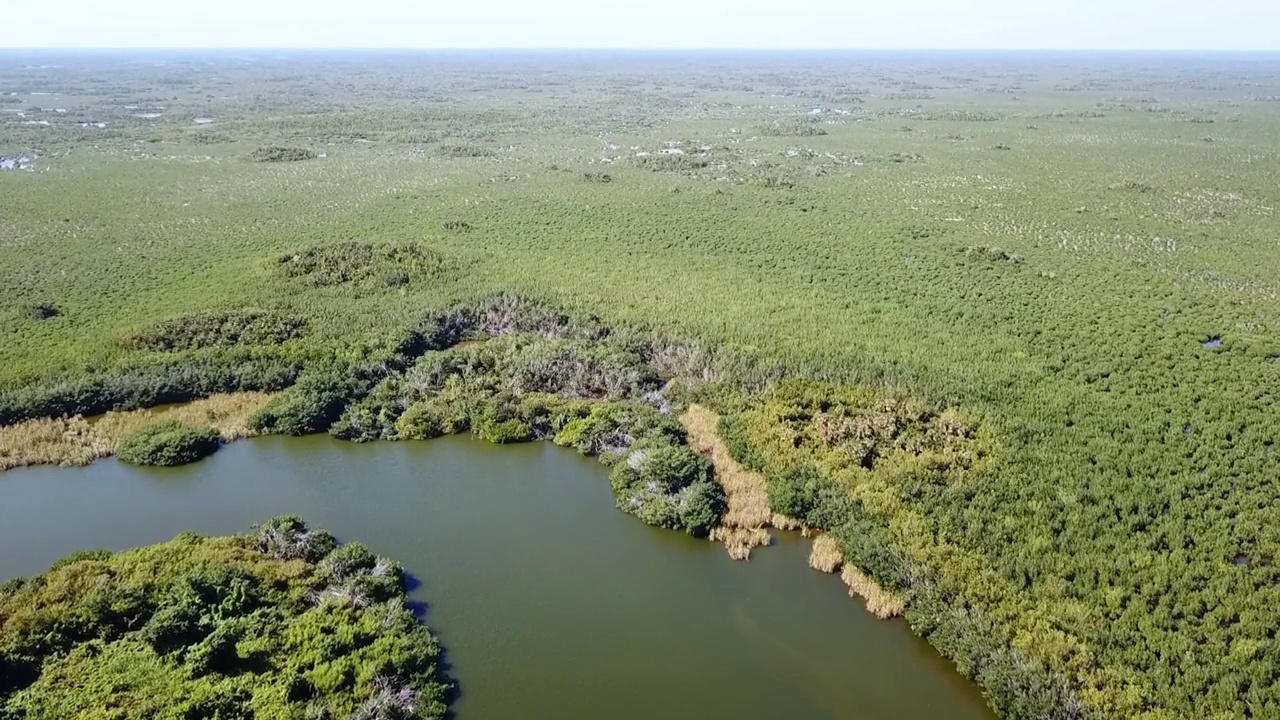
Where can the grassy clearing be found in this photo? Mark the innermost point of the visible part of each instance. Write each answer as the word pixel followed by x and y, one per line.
pixel 79 441
pixel 747 513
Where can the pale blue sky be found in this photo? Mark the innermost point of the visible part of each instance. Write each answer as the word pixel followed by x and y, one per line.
pixel 1013 24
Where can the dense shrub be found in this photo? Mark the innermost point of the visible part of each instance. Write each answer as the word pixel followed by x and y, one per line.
pixel 803 493
pixel 993 254
pixel 609 429
pixel 219 627
pixel 220 329
pixel 374 417
pixel 793 491
pixel 168 443
pixel 287 537
pixel 152 383
pixel 540 375
pixel 385 264
pixel 733 431
pixel 463 150
pixel 276 154
pixel 432 418
pixel 791 128
pixel 499 421
pixel 312 405
pixel 667 485
pixel 43 311
pixel 672 163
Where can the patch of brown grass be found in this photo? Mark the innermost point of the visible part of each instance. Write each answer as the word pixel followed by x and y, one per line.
pixel 77 441
pixel 228 414
pixel 741 541
pixel 61 441
pixel 825 555
pixel 880 602
pixel 747 514
pixel 782 522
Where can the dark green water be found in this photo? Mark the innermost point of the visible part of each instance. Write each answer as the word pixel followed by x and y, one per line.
pixel 551 603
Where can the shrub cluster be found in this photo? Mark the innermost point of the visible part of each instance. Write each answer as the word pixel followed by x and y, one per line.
pixel 388 264
pixel 281 622
pixel 168 443
pixel 589 396
pixel 791 128
pixel 311 405
pixel 220 329
pixel 278 154
pixel 149 383
pixel 994 254
pixel 464 150
pixel 667 485
pixel 672 163
pixel 43 311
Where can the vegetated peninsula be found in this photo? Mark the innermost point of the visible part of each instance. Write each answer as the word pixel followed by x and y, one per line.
pixel 968 322
pixel 281 622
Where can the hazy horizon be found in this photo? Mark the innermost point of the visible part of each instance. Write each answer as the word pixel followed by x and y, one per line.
pixel 641 50
pixel 911 25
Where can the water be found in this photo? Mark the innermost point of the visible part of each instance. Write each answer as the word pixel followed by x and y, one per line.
pixel 550 602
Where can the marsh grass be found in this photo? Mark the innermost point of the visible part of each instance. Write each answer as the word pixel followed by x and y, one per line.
pixel 782 522
pixel 740 541
pixel 747 515
pixel 228 414
pixel 825 555
pixel 57 441
pixel 79 441
pixel 880 602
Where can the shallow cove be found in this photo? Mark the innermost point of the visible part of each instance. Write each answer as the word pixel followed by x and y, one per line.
pixel 550 602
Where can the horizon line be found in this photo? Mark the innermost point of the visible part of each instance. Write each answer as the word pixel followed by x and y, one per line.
pixel 638 49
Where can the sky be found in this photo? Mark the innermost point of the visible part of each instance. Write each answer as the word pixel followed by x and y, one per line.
pixel 852 24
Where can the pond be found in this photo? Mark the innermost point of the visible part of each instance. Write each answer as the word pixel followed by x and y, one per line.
pixel 550 602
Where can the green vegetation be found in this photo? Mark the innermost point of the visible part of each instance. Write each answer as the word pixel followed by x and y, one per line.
pixel 220 329
pixel 168 443
pixel 668 485
pixel 277 154
pixel 310 406
pixel 1101 546
pixel 524 371
pixel 351 262
pixel 278 623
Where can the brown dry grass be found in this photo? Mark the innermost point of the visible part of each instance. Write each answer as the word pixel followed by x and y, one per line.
pixel 747 514
pixel 62 441
pixel 825 555
pixel 741 541
pixel 228 414
pixel 880 602
pixel 77 441
pixel 782 522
